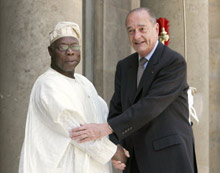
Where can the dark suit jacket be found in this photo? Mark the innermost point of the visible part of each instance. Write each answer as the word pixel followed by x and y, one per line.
pixel 153 119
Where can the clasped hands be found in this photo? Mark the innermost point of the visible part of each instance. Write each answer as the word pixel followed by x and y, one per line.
pixel 120 158
pixel 93 131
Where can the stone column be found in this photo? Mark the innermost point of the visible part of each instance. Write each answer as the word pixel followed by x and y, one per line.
pixel 214 83
pixel 106 41
pixel 24 28
pixel 88 37
pixel 115 41
pixel 191 41
pixel 198 74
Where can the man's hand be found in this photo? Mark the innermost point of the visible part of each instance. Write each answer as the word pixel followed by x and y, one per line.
pixel 118 165
pixel 121 154
pixel 120 158
pixel 90 132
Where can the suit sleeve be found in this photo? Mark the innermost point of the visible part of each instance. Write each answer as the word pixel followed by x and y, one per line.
pixel 166 87
pixel 115 103
pixel 65 112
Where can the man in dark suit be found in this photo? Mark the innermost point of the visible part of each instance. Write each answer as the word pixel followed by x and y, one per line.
pixel 149 113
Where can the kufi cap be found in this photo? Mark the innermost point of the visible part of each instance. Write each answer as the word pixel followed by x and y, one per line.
pixel 65 29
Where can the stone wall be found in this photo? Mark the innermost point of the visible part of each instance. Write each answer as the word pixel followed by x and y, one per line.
pixel 214 85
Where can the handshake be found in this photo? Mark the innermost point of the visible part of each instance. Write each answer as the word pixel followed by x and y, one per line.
pixel 94 131
pixel 120 158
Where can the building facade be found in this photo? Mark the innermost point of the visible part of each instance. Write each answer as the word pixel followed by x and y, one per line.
pixel 24 27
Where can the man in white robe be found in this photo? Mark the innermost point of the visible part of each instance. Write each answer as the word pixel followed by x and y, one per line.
pixel 61 100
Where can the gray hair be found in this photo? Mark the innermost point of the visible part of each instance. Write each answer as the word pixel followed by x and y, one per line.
pixel 151 14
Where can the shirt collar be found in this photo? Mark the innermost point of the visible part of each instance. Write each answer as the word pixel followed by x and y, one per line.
pixel 151 53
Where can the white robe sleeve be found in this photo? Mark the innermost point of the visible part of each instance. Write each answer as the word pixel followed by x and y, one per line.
pixel 62 106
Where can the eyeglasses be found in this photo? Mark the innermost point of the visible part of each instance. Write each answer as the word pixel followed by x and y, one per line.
pixel 64 47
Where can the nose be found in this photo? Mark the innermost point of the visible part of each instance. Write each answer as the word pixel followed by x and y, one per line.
pixel 137 35
pixel 69 52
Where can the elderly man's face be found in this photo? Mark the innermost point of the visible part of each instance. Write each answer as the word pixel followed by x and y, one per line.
pixel 141 32
pixel 65 53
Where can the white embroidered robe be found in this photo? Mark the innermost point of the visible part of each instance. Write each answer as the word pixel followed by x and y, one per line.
pixel 58 104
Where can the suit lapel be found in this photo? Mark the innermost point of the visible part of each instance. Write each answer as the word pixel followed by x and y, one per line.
pixel 148 74
pixel 132 77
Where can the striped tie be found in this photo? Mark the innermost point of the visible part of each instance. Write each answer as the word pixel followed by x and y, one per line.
pixel 141 69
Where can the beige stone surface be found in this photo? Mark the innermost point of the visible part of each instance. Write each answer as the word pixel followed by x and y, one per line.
pixel 214 85
pixel 198 70
pixel 214 120
pixel 115 41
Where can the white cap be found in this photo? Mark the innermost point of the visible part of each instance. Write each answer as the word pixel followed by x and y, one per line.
pixel 65 29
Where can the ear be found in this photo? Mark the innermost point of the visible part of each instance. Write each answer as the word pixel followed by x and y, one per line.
pixel 157 28
pixel 50 50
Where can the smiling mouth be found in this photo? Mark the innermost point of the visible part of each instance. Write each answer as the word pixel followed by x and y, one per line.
pixel 138 43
